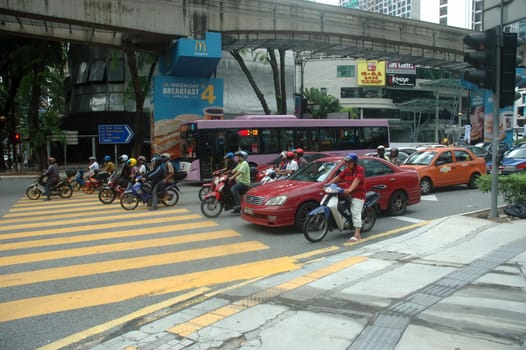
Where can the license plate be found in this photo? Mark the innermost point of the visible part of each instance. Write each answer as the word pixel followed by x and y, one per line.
pixel 248 211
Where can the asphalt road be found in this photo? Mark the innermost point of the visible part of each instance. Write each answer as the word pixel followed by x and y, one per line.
pixel 69 265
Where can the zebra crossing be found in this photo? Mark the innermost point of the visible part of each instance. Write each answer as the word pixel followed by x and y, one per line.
pixel 71 255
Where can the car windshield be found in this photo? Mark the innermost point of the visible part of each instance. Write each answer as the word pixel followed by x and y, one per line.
pixel 517 153
pixel 421 158
pixel 314 172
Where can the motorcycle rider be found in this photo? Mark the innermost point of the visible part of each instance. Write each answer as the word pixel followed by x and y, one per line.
pixel 52 176
pixel 230 163
pixel 141 164
pixel 299 158
pixel 380 152
pixel 241 174
pixel 155 177
pixel 93 167
pixel 393 157
pixel 134 170
pixel 125 171
pixel 352 180
pixel 291 166
pixel 109 166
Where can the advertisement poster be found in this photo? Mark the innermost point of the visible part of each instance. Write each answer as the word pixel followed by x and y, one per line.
pixel 400 74
pixel 476 116
pixel 505 121
pixel 371 73
pixel 178 99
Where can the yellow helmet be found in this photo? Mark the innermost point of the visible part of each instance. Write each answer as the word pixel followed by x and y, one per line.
pixel 132 161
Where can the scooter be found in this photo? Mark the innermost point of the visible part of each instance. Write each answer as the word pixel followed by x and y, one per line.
pixel 62 188
pixel 219 199
pixel 208 187
pixel 112 189
pixel 334 213
pixel 142 192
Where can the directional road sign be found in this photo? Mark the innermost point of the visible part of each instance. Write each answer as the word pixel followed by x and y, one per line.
pixel 112 134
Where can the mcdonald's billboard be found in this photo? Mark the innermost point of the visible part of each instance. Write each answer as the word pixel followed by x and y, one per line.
pixel 192 57
pixel 371 73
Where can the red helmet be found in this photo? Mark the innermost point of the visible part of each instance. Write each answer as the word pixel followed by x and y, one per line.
pixel 290 154
pixel 299 151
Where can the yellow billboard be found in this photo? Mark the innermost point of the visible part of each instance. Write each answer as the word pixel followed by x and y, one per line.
pixel 371 73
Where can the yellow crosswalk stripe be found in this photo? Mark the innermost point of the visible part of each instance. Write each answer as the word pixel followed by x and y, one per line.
pixel 58 273
pixel 131 224
pixel 64 213
pixel 43 305
pixel 108 248
pixel 87 220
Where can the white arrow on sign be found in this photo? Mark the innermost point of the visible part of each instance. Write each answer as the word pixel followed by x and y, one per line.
pixel 130 134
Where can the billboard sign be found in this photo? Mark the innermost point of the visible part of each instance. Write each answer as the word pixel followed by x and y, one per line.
pixel 371 73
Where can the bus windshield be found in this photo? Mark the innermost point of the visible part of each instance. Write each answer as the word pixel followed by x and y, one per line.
pixel 205 142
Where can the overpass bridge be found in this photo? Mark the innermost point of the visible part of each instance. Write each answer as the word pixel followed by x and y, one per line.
pixel 308 28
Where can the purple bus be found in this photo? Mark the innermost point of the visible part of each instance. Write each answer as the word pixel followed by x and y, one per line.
pixel 205 142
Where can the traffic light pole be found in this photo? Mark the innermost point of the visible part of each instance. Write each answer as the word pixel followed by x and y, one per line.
pixel 496 121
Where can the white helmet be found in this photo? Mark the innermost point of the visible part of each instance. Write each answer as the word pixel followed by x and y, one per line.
pixel 123 158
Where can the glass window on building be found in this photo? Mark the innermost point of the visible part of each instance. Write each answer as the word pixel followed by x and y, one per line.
pixel 443 20
pixel 82 76
pixel 115 71
pixel 345 71
pixel 443 2
pixel 443 11
pixel 349 92
pixel 97 71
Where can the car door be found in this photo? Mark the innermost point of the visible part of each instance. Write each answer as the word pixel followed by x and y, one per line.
pixel 379 177
pixel 463 166
pixel 444 170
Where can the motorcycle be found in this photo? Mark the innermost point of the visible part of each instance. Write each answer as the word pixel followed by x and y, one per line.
pixel 208 187
pixel 62 188
pixel 334 213
pixel 88 186
pixel 219 199
pixel 75 186
pixel 142 192
pixel 112 189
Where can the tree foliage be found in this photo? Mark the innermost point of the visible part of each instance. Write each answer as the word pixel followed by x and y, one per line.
pixel 320 104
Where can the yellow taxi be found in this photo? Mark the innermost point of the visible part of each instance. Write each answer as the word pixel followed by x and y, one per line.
pixel 445 166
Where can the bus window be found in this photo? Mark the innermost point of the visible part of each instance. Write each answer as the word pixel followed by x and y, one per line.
pixel 327 139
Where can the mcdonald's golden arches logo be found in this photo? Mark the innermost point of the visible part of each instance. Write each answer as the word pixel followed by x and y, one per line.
pixel 200 46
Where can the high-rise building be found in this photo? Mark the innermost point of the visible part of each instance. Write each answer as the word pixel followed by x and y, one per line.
pixel 457 13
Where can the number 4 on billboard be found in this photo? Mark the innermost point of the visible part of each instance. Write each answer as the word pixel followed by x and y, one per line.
pixel 208 94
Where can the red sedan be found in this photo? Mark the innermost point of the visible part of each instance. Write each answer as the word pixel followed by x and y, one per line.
pixel 287 202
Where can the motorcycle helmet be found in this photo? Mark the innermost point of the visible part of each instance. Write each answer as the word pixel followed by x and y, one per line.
pixel 107 158
pixel 351 157
pixel 242 154
pixel 394 152
pixel 92 158
pixel 141 159
pixel 155 161
pixel 51 160
pixel 290 154
pixel 132 161
pixel 299 152
pixel 123 158
pixel 165 157
pixel 229 155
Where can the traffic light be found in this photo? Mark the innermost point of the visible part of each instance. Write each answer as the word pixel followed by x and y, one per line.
pixel 15 138
pixel 483 59
pixel 509 61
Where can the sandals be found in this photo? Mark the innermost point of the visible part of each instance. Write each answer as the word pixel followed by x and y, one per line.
pixel 353 240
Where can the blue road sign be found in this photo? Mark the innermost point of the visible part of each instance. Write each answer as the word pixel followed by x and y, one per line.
pixel 112 134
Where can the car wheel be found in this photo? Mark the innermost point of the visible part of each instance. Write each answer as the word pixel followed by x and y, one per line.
pixel 473 180
pixel 302 212
pixel 397 203
pixel 426 185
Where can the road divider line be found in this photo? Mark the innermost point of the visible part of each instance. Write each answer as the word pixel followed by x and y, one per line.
pixel 119 265
pixel 61 302
pixel 90 220
pixel 133 225
pixel 113 247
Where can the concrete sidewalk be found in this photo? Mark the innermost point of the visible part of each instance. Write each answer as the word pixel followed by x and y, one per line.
pixel 456 283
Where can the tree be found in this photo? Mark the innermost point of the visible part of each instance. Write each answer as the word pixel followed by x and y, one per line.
pixel 141 87
pixel 320 104
pixel 32 68
pixel 237 56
